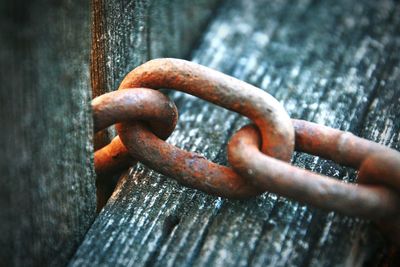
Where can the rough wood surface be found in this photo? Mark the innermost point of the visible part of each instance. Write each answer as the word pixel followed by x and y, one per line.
pixel 47 192
pixel 331 62
pixel 128 33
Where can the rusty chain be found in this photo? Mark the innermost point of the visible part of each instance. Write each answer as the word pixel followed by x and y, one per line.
pixel 259 154
pixel 135 104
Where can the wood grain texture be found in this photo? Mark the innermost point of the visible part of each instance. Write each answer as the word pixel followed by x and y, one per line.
pixel 47 192
pixel 128 33
pixel 331 62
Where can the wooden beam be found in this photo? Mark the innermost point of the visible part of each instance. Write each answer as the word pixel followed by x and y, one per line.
pixel 47 193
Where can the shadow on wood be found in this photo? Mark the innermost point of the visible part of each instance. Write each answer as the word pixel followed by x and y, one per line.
pixel 47 192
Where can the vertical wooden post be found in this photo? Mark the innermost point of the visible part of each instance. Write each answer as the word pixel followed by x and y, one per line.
pixel 47 192
pixel 127 34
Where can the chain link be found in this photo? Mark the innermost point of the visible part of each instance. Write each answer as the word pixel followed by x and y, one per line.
pixel 192 169
pixel 130 105
pixel 259 153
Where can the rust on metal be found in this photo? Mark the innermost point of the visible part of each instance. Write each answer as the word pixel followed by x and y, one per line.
pixel 192 169
pixel 223 90
pixel 377 198
pixel 377 164
pixel 188 168
pixel 259 153
pixel 136 104
pixel 287 180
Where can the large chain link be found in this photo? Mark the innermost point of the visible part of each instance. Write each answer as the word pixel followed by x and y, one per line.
pixel 259 153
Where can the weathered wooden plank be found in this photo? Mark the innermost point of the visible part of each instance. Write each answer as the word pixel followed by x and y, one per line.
pixel 331 62
pixel 47 192
pixel 128 33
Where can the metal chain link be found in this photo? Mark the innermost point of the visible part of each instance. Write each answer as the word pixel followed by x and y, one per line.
pixel 259 153
pixel 130 105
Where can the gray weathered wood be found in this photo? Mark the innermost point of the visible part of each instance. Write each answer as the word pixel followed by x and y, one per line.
pixel 128 33
pixel 47 192
pixel 331 62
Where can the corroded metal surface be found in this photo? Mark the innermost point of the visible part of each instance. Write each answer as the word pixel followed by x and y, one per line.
pixel 371 201
pixel 263 109
pixel 129 105
pixel 256 171
pixel 188 168
pixel 378 164
pixel 192 169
